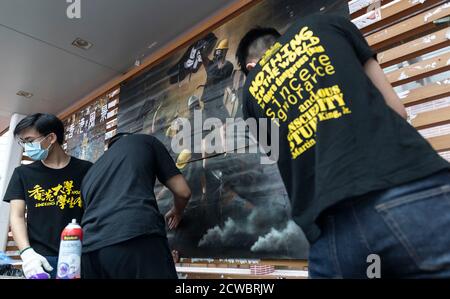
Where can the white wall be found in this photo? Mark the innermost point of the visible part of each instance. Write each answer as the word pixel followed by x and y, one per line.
pixel 10 157
pixel 3 163
pixel 3 141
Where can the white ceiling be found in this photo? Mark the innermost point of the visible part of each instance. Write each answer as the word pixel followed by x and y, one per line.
pixel 36 54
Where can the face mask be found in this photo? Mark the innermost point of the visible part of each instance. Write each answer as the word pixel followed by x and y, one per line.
pixel 219 55
pixel 35 151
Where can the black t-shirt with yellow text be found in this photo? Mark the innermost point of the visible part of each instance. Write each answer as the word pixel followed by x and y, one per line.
pixel 338 137
pixel 53 199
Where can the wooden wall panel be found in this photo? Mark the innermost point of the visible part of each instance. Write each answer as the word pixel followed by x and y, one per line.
pixel 440 143
pixel 420 70
pixel 409 27
pixel 432 118
pixel 426 93
pixel 415 48
pixel 392 13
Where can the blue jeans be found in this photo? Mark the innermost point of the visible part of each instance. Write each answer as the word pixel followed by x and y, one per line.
pixel 407 226
pixel 53 261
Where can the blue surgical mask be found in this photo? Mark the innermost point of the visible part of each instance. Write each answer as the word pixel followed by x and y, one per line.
pixel 35 151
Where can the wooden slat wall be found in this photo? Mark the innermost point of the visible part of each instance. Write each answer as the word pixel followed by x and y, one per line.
pixel 415 48
pixel 11 249
pixel 420 70
pixel 410 27
pixel 392 12
pixel 412 39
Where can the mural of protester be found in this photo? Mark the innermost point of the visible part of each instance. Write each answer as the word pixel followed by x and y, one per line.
pixel 218 77
pixel 218 74
pixel 233 94
pixel 239 208
pixel 192 60
pixel 203 208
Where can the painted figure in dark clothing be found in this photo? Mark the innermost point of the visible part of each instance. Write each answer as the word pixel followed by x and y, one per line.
pixel 218 71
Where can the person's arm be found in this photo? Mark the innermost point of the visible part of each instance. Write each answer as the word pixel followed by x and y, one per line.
pixel 170 176
pixel 18 224
pixel 34 264
pixel 376 74
pixel 15 196
pixel 181 195
pixel 367 57
pixel 205 59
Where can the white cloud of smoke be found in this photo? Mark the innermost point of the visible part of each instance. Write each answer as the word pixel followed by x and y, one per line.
pixel 258 223
pixel 278 240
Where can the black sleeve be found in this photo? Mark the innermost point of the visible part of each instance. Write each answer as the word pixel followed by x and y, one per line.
pixel 15 189
pixel 247 110
pixel 88 166
pixel 165 166
pixel 356 39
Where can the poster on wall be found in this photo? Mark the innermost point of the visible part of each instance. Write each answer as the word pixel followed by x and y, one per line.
pixel 85 131
pixel 239 206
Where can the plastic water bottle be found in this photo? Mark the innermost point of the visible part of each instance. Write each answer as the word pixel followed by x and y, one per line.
pixel 69 260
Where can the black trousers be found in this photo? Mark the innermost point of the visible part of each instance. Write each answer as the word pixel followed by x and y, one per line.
pixel 144 257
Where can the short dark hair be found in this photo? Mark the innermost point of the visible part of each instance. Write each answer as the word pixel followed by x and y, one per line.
pixel 249 38
pixel 44 124
pixel 116 138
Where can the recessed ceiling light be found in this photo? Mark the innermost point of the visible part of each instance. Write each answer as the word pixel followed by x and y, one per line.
pixel 25 94
pixel 82 44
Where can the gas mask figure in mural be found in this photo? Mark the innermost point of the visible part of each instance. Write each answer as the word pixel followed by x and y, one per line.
pixel 218 71
pixel 221 53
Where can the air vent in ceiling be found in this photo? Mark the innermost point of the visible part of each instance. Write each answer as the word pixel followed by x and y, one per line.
pixel 82 44
pixel 25 94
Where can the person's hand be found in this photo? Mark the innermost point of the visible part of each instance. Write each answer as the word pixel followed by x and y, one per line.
pixel 34 264
pixel 173 218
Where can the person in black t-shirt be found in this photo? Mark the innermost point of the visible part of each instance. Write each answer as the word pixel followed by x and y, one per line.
pixel 124 232
pixel 49 190
pixel 361 179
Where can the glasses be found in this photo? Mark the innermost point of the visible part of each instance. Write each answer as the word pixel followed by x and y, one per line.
pixel 23 143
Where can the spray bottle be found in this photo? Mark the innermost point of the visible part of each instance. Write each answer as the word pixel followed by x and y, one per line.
pixel 69 260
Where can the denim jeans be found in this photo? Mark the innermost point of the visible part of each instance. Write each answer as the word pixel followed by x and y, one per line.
pixel 407 226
